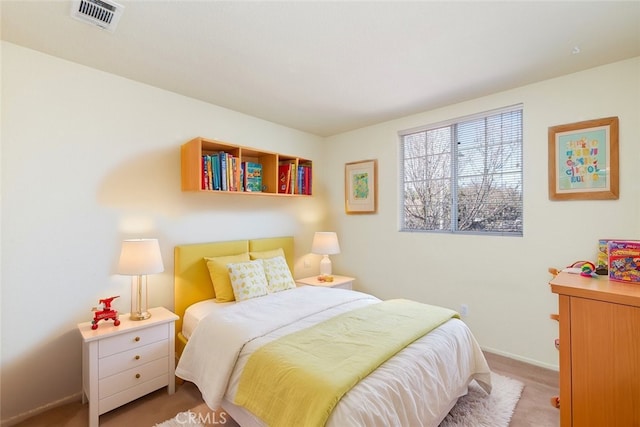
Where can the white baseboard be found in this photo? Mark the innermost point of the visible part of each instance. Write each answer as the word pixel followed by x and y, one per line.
pixel 33 412
pixel 521 359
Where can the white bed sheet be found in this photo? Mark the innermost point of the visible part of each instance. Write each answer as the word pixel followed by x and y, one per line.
pixel 198 311
pixel 416 387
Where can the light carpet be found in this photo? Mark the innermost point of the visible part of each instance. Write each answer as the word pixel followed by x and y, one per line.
pixel 475 409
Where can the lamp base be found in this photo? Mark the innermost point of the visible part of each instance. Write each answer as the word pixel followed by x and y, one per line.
pixel 325 266
pixel 139 298
pixel 140 316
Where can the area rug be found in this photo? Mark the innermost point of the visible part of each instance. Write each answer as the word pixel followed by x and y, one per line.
pixel 476 409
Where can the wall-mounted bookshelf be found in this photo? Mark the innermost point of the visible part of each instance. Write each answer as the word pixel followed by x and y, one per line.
pixel 214 166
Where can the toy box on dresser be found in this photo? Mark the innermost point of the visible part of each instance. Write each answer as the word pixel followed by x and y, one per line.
pixel 624 260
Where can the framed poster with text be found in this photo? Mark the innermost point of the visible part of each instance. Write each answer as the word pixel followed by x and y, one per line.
pixel 583 160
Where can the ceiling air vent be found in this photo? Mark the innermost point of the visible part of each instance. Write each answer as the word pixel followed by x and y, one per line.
pixel 104 14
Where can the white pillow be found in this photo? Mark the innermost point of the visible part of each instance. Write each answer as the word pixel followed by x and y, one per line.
pixel 247 279
pixel 278 274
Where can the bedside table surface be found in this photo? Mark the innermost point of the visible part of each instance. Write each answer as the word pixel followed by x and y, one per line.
pixel 313 281
pixel 158 315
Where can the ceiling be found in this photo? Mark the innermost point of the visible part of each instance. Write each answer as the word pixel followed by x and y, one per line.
pixel 327 67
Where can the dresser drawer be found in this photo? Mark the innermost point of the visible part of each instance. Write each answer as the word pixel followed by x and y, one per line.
pixel 132 377
pixel 132 340
pixel 130 359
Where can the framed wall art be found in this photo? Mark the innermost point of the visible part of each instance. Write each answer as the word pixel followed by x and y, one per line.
pixel 361 187
pixel 583 160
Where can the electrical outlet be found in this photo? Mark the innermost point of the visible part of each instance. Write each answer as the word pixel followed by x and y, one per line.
pixel 306 262
pixel 464 310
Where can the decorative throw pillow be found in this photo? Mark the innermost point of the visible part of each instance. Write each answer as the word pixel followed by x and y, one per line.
pixel 220 275
pixel 267 254
pixel 278 274
pixel 247 279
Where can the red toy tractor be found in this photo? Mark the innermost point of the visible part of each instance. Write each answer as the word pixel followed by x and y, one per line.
pixel 105 313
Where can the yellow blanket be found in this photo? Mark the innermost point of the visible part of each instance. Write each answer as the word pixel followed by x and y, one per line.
pixel 298 379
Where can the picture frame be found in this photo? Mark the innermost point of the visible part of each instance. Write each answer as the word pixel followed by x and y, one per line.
pixel 583 160
pixel 361 187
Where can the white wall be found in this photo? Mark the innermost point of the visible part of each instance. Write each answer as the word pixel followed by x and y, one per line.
pixel 89 159
pixel 502 279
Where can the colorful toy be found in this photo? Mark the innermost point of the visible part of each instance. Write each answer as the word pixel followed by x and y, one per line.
pixel 587 269
pixel 106 313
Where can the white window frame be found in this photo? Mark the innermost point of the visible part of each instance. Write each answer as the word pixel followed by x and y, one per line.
pixel 446 175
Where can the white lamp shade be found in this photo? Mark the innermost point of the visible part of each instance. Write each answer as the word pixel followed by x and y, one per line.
pixel 140 256
pixel 325 243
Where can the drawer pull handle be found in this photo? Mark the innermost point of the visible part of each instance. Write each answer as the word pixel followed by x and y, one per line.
pixel 137 376
pixel 137 357
pixel 136 339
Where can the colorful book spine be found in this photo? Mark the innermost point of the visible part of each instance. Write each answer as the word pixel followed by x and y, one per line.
pixel 235 174
pixel 241 179
pixel 215 167
pixel 624 260
pixel 300 180
pixel 209 174
pixel 203 181
pixel 223 171
pixel 307 180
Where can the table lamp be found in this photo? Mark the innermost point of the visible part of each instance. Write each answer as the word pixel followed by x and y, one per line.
pixel 138 258
pixel 325 243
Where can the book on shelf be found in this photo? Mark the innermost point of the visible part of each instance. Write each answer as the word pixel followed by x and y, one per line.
pixel 232 172
pixel 215 167
pixel 300 185
pixel 284 177
pixel 204 180
pixel 209 173
pixel 624 260
pixel 303 180
pixel 252 177
pixel 223 171
pixel 307 179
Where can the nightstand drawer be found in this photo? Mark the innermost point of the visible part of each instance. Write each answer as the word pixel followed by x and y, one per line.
pixel 132 393
pixel 132 340
pixel 123 361
pixel 132 377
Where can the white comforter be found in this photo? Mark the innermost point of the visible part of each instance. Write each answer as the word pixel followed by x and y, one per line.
pixel 417 387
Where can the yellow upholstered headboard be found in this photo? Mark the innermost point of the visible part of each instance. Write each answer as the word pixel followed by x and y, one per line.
pixel 192 282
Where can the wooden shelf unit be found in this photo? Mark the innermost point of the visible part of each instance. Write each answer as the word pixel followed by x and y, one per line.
pixel 192 151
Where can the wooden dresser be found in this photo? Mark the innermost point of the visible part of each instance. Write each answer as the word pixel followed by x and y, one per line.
pixel 599 351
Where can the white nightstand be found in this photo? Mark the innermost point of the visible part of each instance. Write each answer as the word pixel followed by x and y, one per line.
pixel 342 282
pixel 122 363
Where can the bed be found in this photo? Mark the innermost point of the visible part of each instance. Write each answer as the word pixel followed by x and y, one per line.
pixel 217 341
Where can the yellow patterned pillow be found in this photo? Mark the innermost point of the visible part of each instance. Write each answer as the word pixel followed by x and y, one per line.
pixel 278 274
pixel 247 279
pixel 220 275
pixel 267 254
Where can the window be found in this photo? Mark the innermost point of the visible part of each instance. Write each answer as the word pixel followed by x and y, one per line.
pixel 464 176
